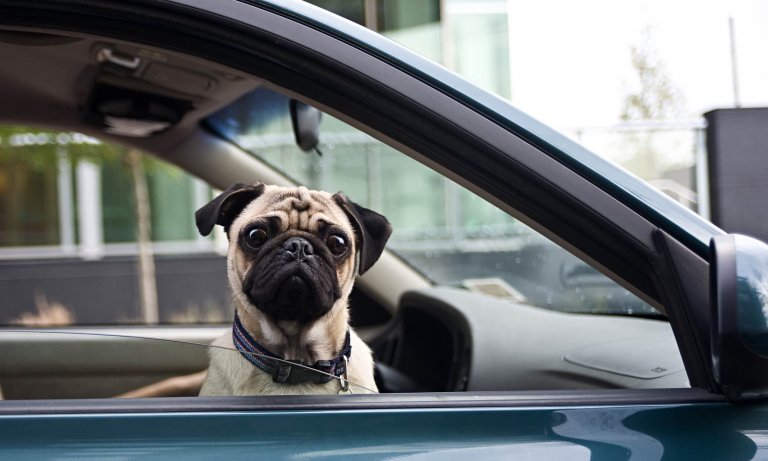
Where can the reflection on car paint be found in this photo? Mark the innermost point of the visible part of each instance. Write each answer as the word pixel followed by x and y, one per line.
pixel 709 431
pixel 522 451
pixel 607 427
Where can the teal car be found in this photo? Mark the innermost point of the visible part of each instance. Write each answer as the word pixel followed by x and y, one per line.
pixel 576 312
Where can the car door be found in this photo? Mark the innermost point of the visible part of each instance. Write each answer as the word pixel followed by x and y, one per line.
pixel 627 230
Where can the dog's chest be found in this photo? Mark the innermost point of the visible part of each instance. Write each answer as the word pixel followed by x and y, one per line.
pixel 231 374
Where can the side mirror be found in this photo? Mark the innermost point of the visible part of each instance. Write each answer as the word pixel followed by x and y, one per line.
pixel 739 302
pixel 306 125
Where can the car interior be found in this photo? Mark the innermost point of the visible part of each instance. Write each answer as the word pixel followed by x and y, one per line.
pixel 426 336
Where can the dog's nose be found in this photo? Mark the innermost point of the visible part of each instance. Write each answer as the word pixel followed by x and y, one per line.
pixel 299 247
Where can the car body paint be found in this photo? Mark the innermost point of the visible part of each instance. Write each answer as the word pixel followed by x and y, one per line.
pixel 647 432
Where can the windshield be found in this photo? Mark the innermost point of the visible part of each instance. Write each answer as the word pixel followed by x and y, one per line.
pixel 443 230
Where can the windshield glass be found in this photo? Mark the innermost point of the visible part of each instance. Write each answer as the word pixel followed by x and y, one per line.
pixel 443 230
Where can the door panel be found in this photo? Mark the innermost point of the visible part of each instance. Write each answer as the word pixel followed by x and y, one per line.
pixel 602 432
pixel 98 362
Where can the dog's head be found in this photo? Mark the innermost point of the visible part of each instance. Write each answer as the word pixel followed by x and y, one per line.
pixel 294 252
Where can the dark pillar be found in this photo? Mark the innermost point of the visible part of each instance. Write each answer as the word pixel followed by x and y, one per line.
pixel 737 147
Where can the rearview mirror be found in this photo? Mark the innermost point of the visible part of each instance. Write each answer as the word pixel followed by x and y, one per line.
pixel 306 125
pixel 739 302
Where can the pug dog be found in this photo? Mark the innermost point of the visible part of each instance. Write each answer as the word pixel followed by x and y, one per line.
pixel 293 257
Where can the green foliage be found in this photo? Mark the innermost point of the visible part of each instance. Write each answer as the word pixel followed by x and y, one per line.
pixel 656 98
pixel 39 149
pixel 649 153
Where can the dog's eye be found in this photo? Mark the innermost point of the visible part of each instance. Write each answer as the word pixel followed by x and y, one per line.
pixel 255 238
pixel 336 244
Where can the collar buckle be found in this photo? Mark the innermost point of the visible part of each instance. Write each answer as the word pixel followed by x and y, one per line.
pixel 344 379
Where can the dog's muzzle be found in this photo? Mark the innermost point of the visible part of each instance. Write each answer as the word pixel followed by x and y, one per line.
pixel 293 282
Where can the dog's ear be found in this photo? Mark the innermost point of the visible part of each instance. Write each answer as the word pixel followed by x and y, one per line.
pixel 373 230
pixel 223 209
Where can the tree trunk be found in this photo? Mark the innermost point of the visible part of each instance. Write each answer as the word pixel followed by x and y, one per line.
pixel 147 282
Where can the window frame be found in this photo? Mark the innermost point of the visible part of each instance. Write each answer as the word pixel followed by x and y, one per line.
pixel 334 403
pixel 401 107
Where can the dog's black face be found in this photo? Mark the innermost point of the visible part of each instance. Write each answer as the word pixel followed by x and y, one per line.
pixel 294 274
pixel 293 251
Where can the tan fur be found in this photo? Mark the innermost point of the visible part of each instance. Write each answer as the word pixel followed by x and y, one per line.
pixel 231 374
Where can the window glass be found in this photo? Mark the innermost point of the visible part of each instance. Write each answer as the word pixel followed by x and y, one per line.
pixel 354 10
pixel 35 219
pixel 29 212
pixel 479 47
pixel 68 236
pixel 451 235
pixel 119 218
pixel 170 192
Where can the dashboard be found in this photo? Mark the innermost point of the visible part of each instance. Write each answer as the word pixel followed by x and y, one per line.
pixel 446 340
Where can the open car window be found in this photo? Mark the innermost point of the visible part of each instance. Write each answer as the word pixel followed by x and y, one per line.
pixel 107 344
pixel 507 309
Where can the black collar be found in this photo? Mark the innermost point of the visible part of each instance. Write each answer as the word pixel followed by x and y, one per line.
pixel 286 371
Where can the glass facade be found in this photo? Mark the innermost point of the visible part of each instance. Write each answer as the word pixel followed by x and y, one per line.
pixel 29 212
pixel 39 194
pixel 478 45
pixel 467 36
